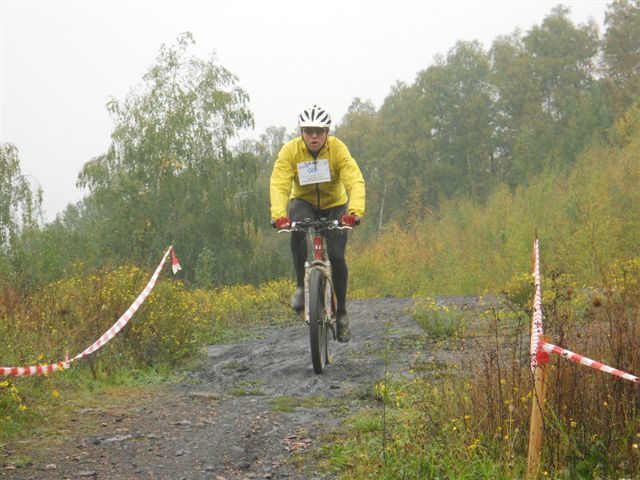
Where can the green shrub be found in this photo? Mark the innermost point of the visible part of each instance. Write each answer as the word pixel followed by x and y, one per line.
pixel 439 321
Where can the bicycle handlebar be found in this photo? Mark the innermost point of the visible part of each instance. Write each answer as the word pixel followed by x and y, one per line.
pixel 319 225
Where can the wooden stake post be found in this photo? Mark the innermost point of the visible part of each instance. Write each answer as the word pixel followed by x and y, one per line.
pixel 537 409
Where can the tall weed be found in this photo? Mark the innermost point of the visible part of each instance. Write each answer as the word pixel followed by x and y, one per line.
pixel 592 419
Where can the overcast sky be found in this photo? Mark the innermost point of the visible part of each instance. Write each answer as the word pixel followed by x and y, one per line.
pixel 61 61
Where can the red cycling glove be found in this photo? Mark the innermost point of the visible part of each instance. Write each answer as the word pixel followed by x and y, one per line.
pixel 282 222
pixel 350 219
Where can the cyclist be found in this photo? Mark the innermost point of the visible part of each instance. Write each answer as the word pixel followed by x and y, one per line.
pixel 315 176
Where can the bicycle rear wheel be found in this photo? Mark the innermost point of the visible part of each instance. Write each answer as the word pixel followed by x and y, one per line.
pixel 317 325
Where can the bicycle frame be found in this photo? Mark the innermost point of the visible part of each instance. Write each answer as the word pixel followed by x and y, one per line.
pixel 320 262
pixel 320 305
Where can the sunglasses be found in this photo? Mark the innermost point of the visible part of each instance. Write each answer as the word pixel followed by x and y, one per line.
pixel 314 130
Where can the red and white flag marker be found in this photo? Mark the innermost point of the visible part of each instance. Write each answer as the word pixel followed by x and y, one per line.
pixel 175 264
pixel 108 335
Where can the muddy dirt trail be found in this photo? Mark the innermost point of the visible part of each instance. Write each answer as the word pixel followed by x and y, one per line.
pixel 244 414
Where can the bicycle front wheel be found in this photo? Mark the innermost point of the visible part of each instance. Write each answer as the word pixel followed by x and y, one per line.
pixel 317 324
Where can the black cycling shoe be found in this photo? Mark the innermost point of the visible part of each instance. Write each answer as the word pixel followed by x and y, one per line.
pixel 344 334
pixel 297 301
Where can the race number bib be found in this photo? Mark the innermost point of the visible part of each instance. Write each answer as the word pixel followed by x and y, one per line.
pixel 315 171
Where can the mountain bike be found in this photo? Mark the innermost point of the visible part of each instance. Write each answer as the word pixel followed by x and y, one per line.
pixel 320 303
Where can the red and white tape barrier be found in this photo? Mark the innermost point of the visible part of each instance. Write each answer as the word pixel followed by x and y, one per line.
pixel 540 350
pixel 587 362
pixel 35 370
pixel 536 321
pixel 108 335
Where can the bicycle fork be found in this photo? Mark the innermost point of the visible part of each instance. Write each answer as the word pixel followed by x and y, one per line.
pixel 330 300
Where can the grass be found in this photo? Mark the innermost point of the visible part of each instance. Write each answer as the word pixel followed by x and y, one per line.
pixel 247 387
pixel 424 436
pixel 286 404
pixel 48 416
pixel 438 321
pixel 467 416
pixel 170 329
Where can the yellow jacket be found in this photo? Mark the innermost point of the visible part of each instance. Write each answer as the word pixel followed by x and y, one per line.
pixel 346 185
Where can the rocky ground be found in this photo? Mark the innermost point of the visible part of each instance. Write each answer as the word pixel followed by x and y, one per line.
pixel 254 410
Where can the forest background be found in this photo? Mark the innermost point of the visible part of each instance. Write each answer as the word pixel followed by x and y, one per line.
pixel 482 149
pixel 537 135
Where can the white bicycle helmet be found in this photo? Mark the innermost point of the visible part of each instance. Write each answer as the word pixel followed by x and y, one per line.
pixel 315 116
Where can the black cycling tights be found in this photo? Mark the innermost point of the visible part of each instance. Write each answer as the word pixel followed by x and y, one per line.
pixel 336 244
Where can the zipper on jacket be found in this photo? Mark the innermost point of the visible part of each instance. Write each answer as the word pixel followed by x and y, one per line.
pixel 315 161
